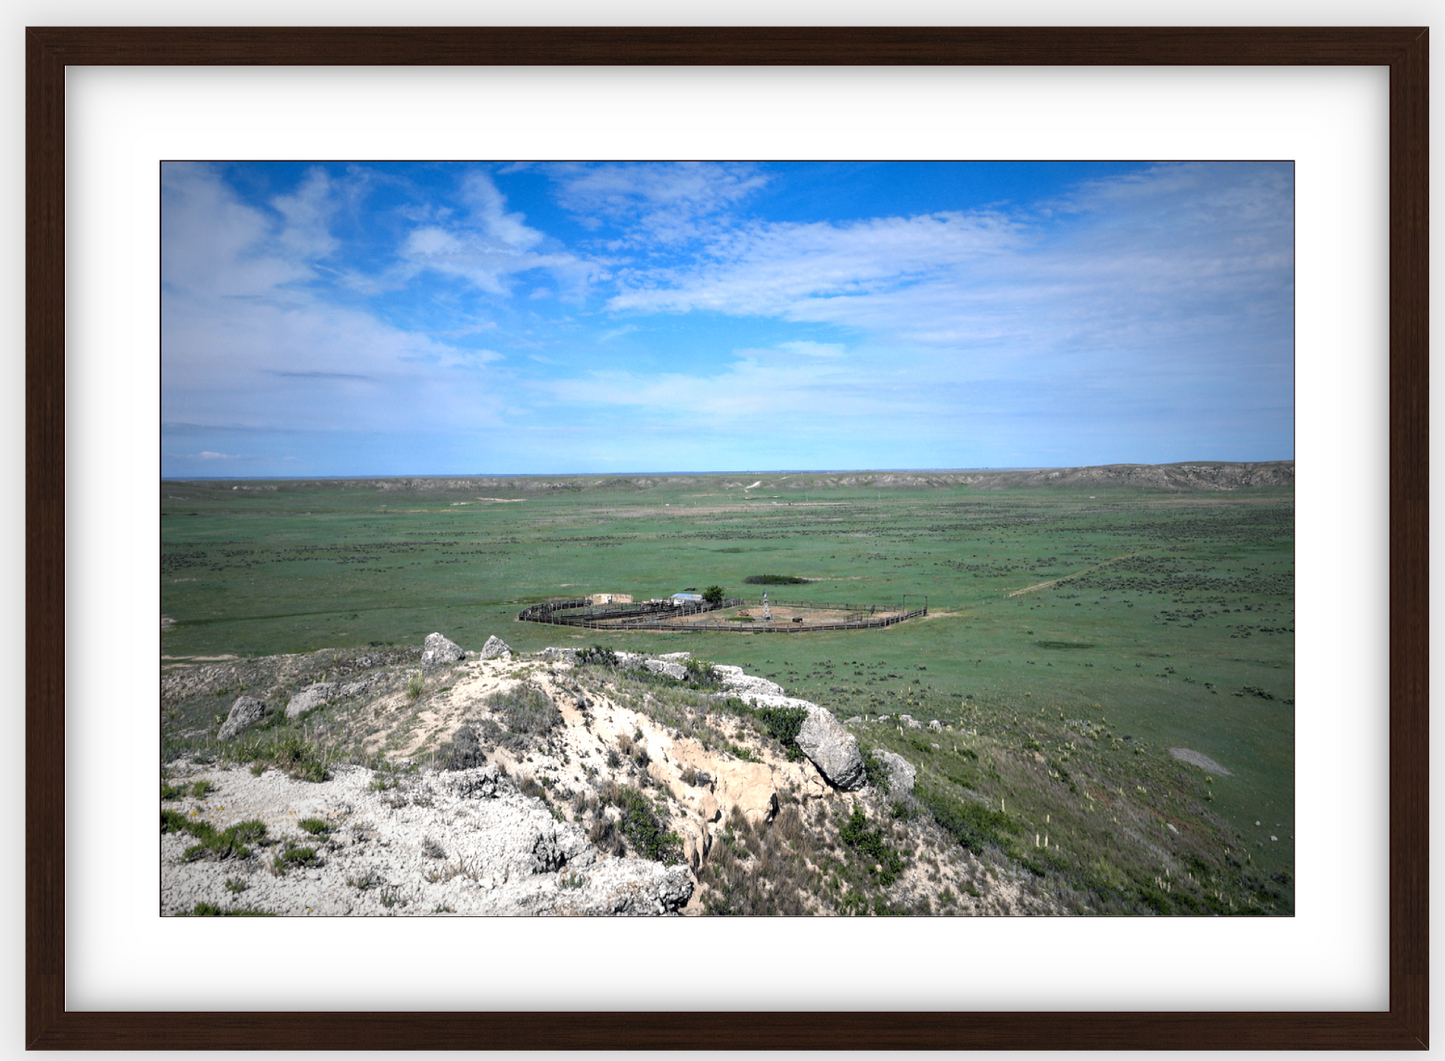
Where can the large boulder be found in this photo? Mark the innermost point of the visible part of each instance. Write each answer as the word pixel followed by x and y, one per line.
pixel 667 667
pixel 901 773
pixel 495 647
pixel 310 698
pixel 436 651
pixel 245 712
pixel 745 686
pixel 832 749
pixel 360 687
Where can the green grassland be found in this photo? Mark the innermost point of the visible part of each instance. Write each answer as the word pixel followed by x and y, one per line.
pixel 1148 621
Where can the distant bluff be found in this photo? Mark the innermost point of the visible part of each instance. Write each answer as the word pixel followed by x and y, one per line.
pixel 1190 476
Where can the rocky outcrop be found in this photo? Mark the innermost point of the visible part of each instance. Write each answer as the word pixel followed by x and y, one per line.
pixel 310 698
pixel 745 685
pixel 437 651
pixel 666 667
pixel 477 783
pixel 496 647
pixel 362 687
pixel 245 712
pixel 465 842
pixel 750 787
pixel 901 773
pixel 832 749
pixel 628 888
pixel 445 826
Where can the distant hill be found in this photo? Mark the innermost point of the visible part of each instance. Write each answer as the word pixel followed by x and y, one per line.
pixel 1201 475
pixel 1191 476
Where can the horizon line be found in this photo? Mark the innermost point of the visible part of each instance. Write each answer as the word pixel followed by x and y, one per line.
pixel 725 471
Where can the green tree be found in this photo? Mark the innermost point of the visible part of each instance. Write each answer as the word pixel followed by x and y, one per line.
pixel 713 594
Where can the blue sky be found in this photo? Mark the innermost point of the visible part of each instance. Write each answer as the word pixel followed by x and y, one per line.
pixel 337 319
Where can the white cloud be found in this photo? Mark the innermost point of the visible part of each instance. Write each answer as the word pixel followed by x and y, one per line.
pixel 308 212
pixel 1157 261
pixel 777 269
pixel 487 248
pixel 812 349
pixel 657 202
pixel 245 345
pixel 617 333
pixel 214 245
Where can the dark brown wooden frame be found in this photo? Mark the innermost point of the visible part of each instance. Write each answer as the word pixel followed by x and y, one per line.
pixel 50 50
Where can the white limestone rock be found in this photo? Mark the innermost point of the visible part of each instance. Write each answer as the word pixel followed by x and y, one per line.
pixel 437 651
pixel 832 749
pixel 310 698
pixel 245 712
pixel 496 647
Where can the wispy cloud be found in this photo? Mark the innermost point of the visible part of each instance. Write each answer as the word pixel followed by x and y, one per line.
pixel 789 269
pixel 616 333
pixel 666 203
pixel 488 246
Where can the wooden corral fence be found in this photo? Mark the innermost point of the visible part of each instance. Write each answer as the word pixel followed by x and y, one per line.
pixel 579 611
pixel 664 615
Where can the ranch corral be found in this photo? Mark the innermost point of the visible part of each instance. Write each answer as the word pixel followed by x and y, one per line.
pixel 730 615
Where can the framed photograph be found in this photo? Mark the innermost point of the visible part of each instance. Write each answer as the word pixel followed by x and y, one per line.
pixel 105 120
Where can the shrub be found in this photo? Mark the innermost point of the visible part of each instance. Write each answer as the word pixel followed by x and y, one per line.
pixel 877 772
pixel 315 826
pixel 415 685
pixel 883 860
pixel 972 824
pixel 774 580
pixel 525 711
pixel 783 724
pixel 702 672
pixel 462 752
pixel 603 834
pixel 642 826
pixel 597 656
pixel 291 752
pixel 201 789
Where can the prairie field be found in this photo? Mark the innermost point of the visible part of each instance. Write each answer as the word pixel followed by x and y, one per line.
pixel 1116 665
